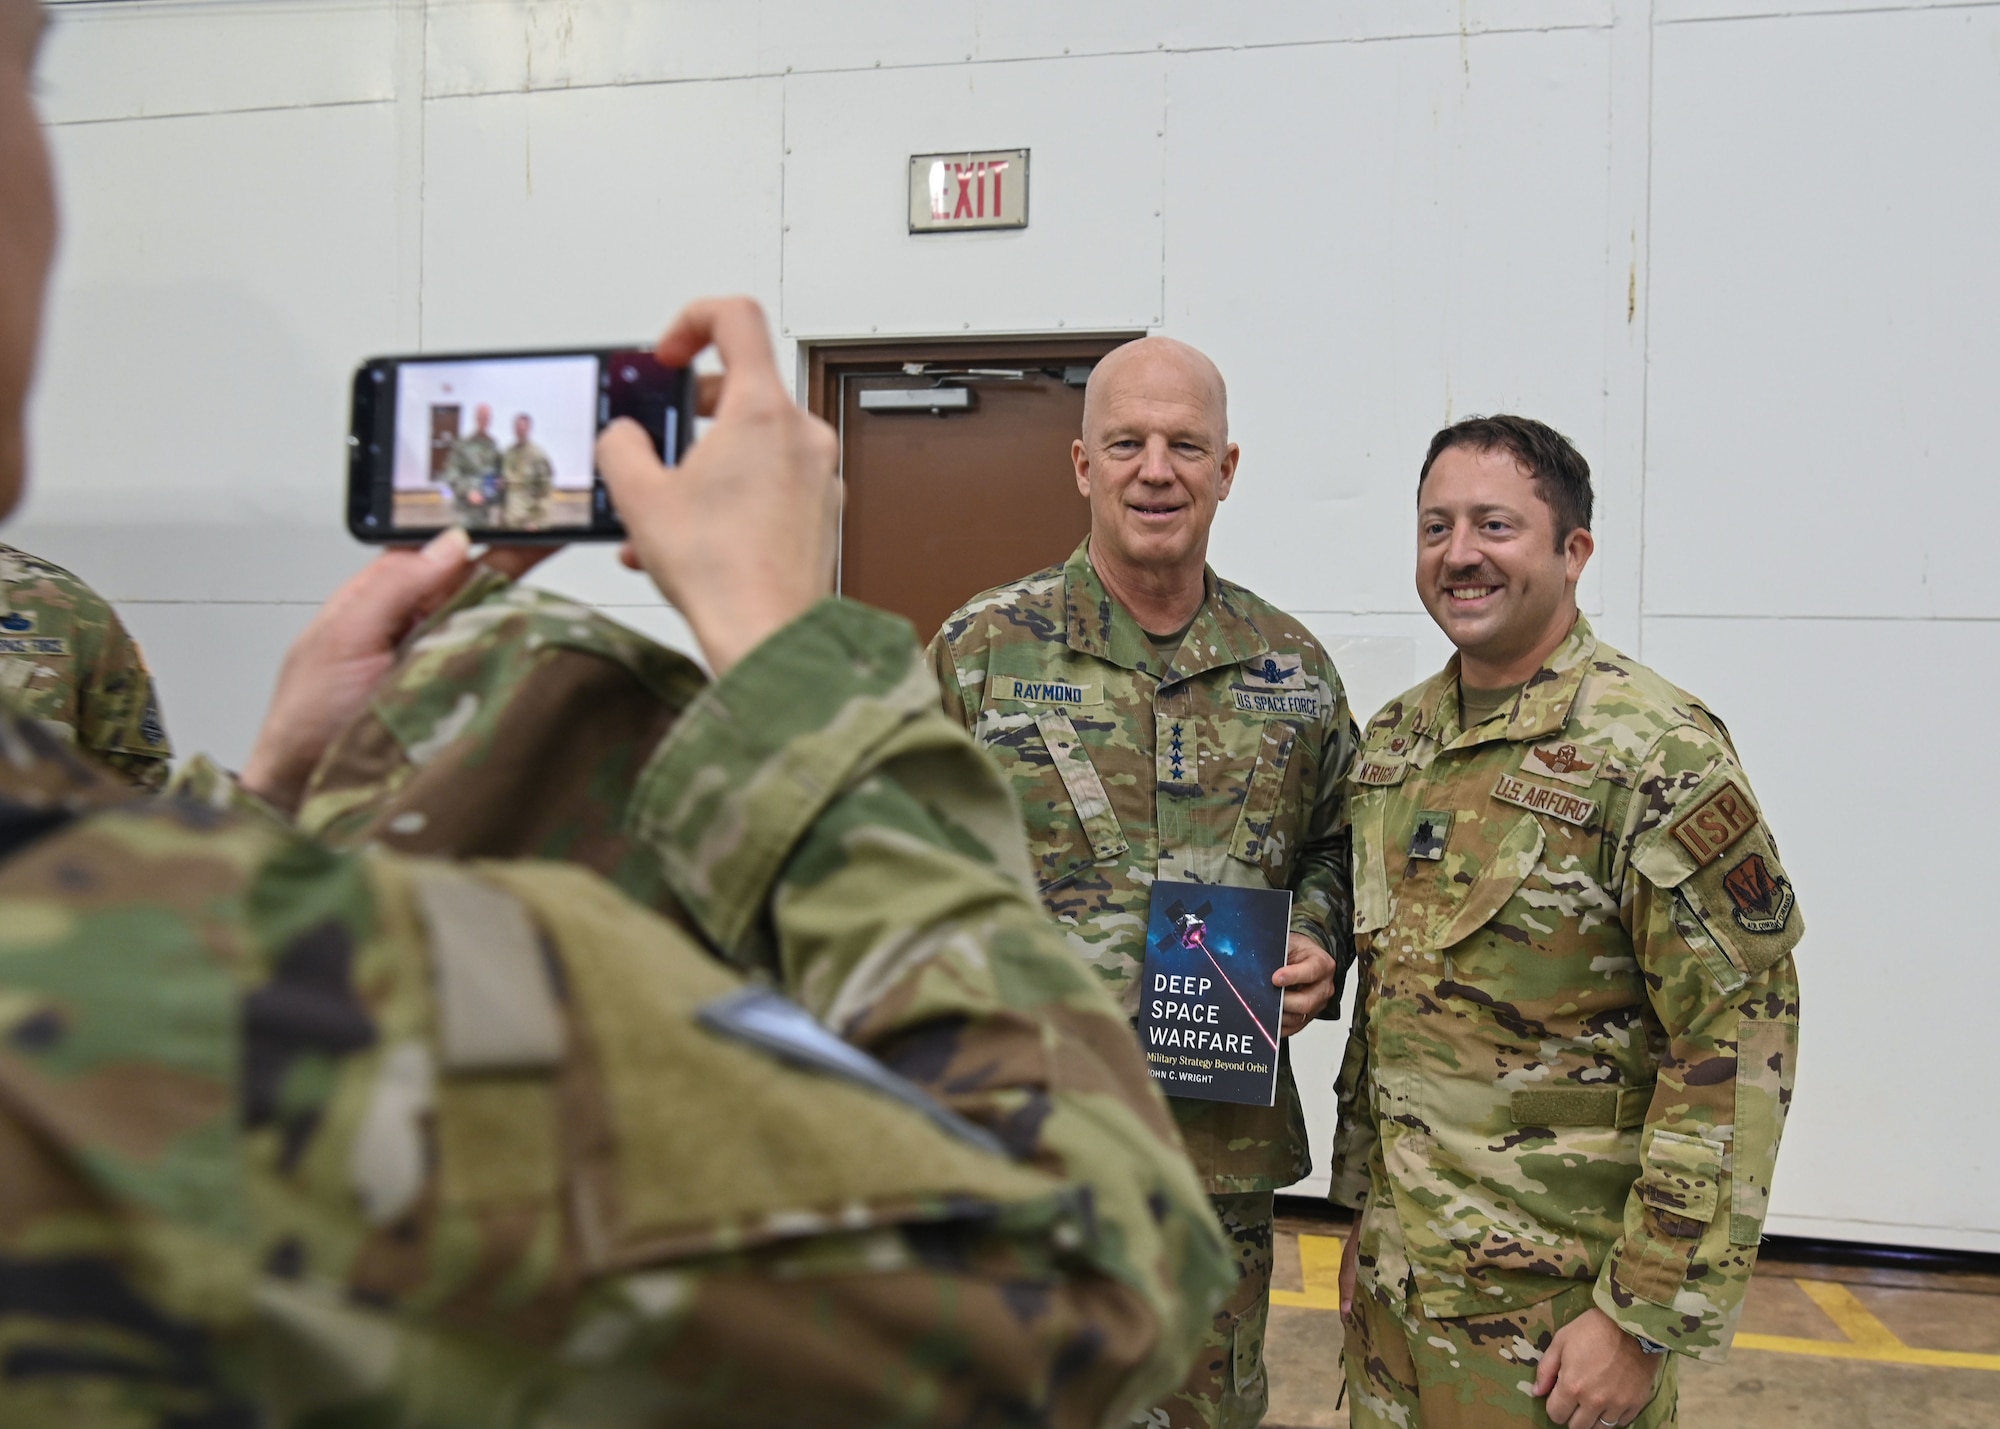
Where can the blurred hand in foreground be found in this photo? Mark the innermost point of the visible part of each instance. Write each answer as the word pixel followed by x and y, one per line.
pixel 742 535
pixel 336 664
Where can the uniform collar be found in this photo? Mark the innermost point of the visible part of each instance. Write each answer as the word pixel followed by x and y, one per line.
pixel 1222 634
pixel 1542 708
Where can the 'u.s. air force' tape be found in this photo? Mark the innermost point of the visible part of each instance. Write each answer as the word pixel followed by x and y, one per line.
pixel 788 1032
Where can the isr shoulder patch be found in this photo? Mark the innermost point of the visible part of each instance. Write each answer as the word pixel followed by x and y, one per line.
pixel 1718 821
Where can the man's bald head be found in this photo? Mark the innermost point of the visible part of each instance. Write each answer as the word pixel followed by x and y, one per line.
pixel 1163 367
pixel 1154 461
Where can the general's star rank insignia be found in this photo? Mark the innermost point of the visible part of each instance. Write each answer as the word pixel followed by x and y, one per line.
pixel 1427 840
pixel 1564 762
pixel 1763 899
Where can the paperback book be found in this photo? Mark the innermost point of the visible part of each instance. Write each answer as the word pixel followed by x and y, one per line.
pixel 1209 1014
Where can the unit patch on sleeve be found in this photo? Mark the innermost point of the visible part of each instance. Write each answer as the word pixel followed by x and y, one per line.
pixel 1047 692
pixel 1565 762
pixel 1763 899
pixel 1433 829
pixel 1540 799
pixel 1715 823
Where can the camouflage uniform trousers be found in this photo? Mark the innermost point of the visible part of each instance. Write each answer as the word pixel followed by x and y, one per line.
pixel 1468 1372
pixel 1227 1387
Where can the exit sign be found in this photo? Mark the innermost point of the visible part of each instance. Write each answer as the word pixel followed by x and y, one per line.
pixel 953 192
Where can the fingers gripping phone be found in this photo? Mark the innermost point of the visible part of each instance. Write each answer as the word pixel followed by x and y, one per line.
pixel 502 443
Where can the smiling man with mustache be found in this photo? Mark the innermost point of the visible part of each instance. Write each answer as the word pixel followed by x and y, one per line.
pixel 1576 1014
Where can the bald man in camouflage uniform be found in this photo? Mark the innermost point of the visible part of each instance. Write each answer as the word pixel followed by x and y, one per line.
pixel 472 474
pixel 1157 721
pixel 1577 1015
pixel 67 661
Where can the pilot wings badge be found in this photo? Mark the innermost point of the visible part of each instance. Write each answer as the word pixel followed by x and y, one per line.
pixel 1563 761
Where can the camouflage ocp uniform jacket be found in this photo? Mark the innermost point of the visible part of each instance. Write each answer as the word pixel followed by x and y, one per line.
pixel 1574 1037
pixel 1223 764
pixel 363 1138
pixel 67 660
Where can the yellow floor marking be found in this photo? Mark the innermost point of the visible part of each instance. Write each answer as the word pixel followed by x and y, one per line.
pixel 1867 1337
pixel 1319 1262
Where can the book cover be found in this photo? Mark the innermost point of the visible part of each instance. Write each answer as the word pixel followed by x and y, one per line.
pixel 1208 1012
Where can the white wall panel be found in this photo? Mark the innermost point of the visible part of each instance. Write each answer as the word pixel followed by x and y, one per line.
pixel 486 46
pixel 215 665
pixel 218 279
pixel 1825 316
pixel 1090 256
pixel 1887 1141
pixel 592 216
pixel 1015 29
pixel 126 61
pixel 1393 236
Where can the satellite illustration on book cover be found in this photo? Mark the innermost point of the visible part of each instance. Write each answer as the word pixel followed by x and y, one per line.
pixel 1209 1014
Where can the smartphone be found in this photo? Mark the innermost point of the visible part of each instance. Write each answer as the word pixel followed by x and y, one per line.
pixel 502 443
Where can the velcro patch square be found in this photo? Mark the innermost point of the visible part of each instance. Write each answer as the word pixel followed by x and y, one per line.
pixel 1715 823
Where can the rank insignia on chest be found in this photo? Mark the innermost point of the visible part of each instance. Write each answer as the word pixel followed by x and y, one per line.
pixel 1433 829
pixel 1564 761
pixel 1763 899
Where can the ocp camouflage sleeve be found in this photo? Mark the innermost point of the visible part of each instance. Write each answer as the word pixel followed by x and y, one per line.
pixel 357 1134
pixel 1714 937
pixel 1323 893
pixel 823 823
pixel 68 660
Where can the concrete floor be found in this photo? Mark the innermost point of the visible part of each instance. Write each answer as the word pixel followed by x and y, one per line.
pixel 1820 1346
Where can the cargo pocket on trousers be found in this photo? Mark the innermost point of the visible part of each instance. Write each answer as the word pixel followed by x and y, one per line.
pixel 1246 1357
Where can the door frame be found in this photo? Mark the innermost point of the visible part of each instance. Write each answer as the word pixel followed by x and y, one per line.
pixel 825 363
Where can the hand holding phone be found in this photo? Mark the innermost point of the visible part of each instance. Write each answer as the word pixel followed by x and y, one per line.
pixel 742 535
pixel 501 443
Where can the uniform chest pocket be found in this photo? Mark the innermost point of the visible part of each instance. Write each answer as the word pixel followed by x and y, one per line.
pixel 1269 823
pixel 1372 902
pixel 1497 880
pixel 1070 821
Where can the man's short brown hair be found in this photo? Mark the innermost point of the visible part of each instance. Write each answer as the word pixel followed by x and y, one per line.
pixel 1561 475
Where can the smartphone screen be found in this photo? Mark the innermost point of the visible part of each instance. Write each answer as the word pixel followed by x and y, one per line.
pixel 502 444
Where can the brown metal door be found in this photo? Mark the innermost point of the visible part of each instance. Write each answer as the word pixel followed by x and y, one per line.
pixel 942 504
pixel 444 436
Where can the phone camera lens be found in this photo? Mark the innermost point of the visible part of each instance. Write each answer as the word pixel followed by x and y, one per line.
pixel 630 374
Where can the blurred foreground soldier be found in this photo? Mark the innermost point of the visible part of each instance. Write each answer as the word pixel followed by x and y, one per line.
pixel 1577 1011
pixel 67 662
pixel 295 1136
pixel 472 472
pixel 1158 721
pixel 525 475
